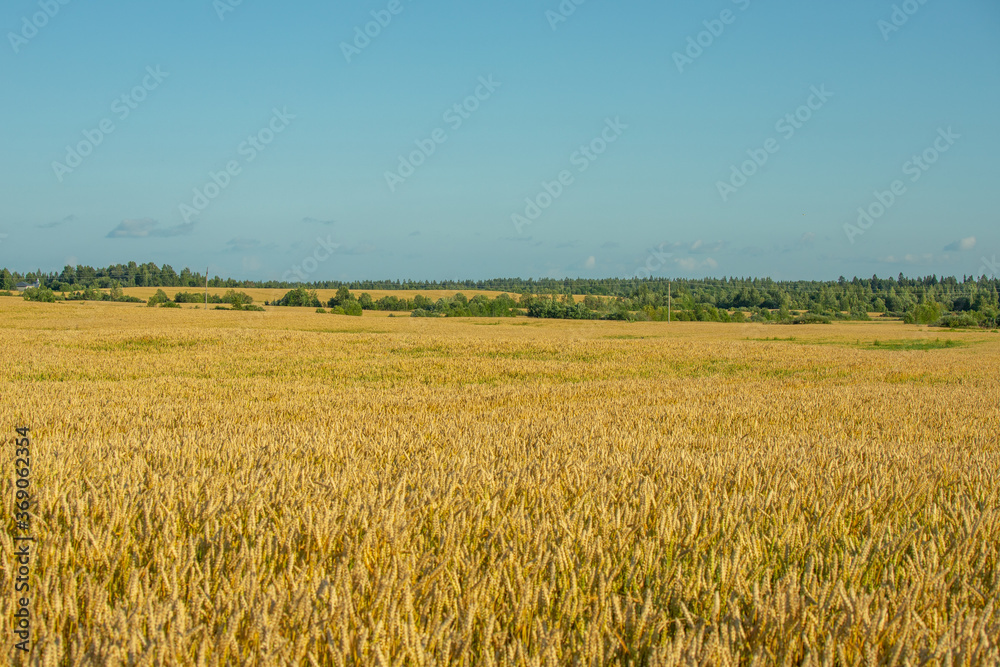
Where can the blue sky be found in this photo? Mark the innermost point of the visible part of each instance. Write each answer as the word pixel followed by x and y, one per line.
pixel 314 135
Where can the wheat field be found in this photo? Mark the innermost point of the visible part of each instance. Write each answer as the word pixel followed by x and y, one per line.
pixel 290 488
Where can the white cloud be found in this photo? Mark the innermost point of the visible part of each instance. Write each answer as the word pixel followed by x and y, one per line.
pixel 242 244
pixel 139 228
pixel 145 227
pixel 967 243
pixel 590 263
pixel 57 223
pixel 699 247
pixel 692 264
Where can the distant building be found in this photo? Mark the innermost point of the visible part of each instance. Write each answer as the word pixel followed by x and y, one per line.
pixel 23 286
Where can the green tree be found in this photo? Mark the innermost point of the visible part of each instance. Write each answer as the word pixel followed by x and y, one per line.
pixel 239 300
pixel 43 294
pixel 300 297
pixel 157 299
pixel 342 298
pixel 924 313
pixel 117 293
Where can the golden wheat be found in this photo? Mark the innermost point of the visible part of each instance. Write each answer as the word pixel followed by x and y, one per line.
pixel 284 487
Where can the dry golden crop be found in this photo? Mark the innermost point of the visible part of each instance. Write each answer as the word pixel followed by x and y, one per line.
pixel 285 487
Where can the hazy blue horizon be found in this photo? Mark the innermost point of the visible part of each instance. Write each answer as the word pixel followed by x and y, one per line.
pixel 120 116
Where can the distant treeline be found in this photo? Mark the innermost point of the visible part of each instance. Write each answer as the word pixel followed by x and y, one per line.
pixel 649 307
pixel 928 299
pixel 43 293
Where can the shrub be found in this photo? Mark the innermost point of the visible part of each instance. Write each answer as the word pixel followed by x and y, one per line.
pixel 622 315
pixel 42 294
pixel 159 298
pixel 238 300
pixel 962 321
pixel 342 297
pixel 807 318
pixel 924 313
pixel 392 304
pixel 547 308
pixel 989 317
pixel 300 297
pixel 194 297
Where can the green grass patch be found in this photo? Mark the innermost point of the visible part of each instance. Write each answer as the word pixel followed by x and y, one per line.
pixel 911 344
pixel 423 351
pixel 630 337
pixel 889 345
pixel 358 332
pixel 148 344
